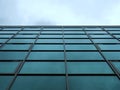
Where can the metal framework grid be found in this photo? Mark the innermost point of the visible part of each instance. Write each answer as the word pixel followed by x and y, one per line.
pixel 76 44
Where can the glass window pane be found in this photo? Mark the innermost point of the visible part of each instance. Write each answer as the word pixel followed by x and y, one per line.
pixel 48 47
pixel 94 28
pixel 77 41
pixel 25 36
pixel 12 28
pixel 21 41
pixel 51 32
pixel 105 41
pixel 83 56
pixel 80 47
pixel 96 32
pixel 88 68
pixel 31 28
pixel 72 28
pixel 12 55
pixel 75 36
pixel 3 40
pixel 39 83
pixel 49 41
pixel 50 36
pixel 15 47
pixel 74 32
pixel 8 32
pixel 4 82
pixel 44 67
pixel 112 28
pixel 29 32
pixel 114 32
pixel 117 36
pixel 100 36
pixel 112 55
pixel 54 28
pixel 46 56
pixel 110 47
pixel 8 67
pixel 5 36
pixel 94 83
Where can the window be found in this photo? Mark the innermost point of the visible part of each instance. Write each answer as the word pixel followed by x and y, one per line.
pixel 49 41
pixel 83 56
pixel 75 36
pixel 3 40
pixel 117 65
pixel 46 56
pixel 12 55
pixel 100 36
pixel 31 28
pixel 74 32
pixel 21 41
pixel 110 47
pixel 105 41
pixel 77 41
pixel 96 32
pixel 8 32
pixel 14 28
pixel 88 68
pixel 8 67
pixel 50 36
pixel 112 28
pixel 44 67
pixel 94 28
pixel 80 47
pixel 51 32
pixel 5 36
pixel 25 36
pixel 39 83
pixel 48 47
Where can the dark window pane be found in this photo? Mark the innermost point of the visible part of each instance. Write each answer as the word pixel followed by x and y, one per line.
pixel 43 67
pixel 112 55
pixel 12 55
pixel 80 47
pixel 48 47
pixel 39 83
pixel 15 47
pixel 8 67
pixel 46 56
pixel 88 67
pixel 110 47
pixel 83 56
pixel 4 82
pixel 94 83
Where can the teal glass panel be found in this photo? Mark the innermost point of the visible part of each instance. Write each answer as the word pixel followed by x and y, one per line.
pixel 25 36
pixel 3 40
pixel 112 55
pixel 31 28
pixel 100 36
pixel 77 41
pixel 4 82
pixel 8 67
pixel 44 67
pixel 75 36
pixel 96 32
pixel 94 83
pixel 48 47
pixel 117 36
pixel 5 36
pixel 12 28
pixel 93 28
pixel 112 28
pixel 117 65
pixel 39 83
pixel 88 68
pixel 49 41
pixel 46 56
pixel 51 32
pixel 74 32
pixel 105 41
pixel 12 55
pixel 50 36
pixel 80 47
pixel 29 32
pixel 114 32
pixel 8 32
pixel 83 56
pixel 15 47
pixel 110 47
pixel 54 28
pixel 72 28
pixel 21 41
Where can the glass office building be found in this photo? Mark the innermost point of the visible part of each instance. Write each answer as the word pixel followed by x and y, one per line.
pixel 59 57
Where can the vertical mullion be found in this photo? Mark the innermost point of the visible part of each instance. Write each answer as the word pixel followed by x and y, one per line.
pixel 11 37
pixel 22 62
pixel 99 50
pixel 65 61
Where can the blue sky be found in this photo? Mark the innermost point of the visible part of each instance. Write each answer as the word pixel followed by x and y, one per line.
pixel 59 12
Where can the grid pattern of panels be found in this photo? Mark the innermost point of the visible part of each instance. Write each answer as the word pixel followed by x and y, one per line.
pixel 61 57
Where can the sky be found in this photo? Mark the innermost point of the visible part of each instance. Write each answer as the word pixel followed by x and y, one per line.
pixel 59 12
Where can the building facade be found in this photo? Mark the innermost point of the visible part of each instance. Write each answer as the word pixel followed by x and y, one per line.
pixel 59 57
